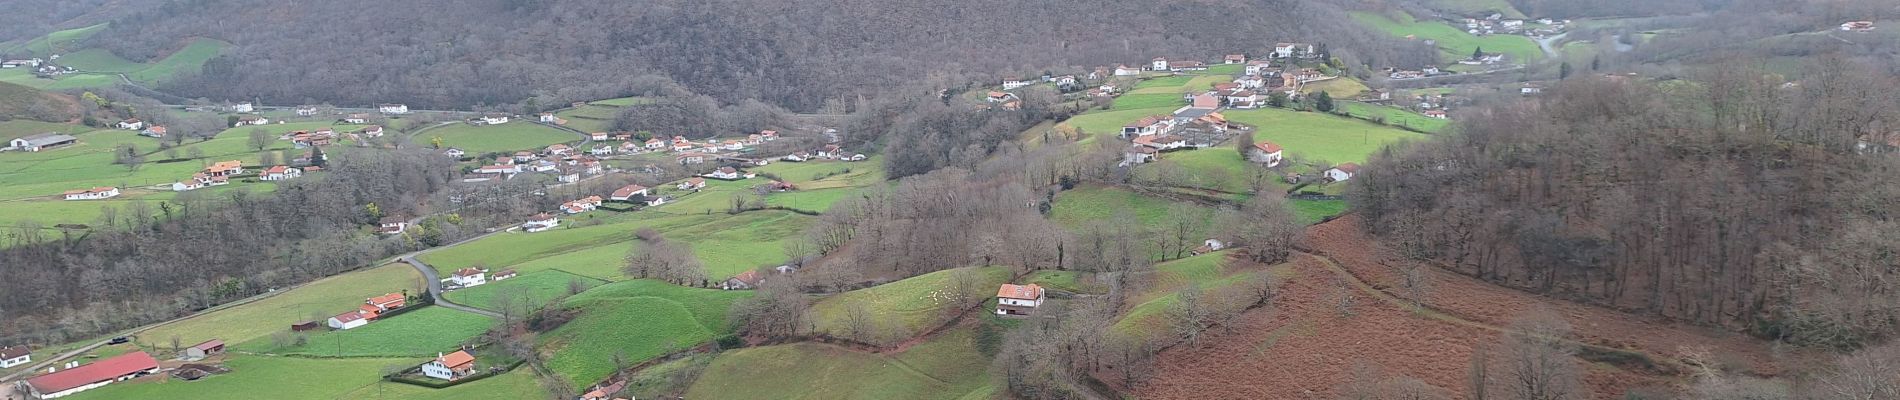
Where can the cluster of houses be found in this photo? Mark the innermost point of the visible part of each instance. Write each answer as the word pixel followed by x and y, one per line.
pixel 371 309
pixel 582 205
pixel 220 173
pixel 1197 125
pixel 1495 23
pixel 826 152
pixel 557 159
pixel 22 63
pixel 541 222
pixel 328 136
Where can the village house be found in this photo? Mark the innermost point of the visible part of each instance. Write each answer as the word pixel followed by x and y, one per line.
pixel 450 367
pixel 280 172
pixel 585 204
pixel 1123 70
pixel 1256 67
pixel 199 181
pixel 692 184
pixel 392 224
pixel 1243 99
pixel 1158 64
pixel 347 321
pixel 131 124
pixel 243 107
pixel 568 175
pixel 208 348
pixel 797 156
pixel 597 136
pixel 768 135
pixel 503 275
pixel 729 173
pixel 690 158
pixel 656 200
pixel 391 108
pixel 1018 299
pixel 1439 114
pixel 454 152
pixel 91 376
pixel 103 192
pixel 559 149
pixel 1858 26
pixel 306 111
pixel 1234 59
pixel 155 131
pixel 1342 172
pixel 604 392
pixel 548 118
pixel 744 280
pixel 601 150
pixel 1138 154
pixel 253 120
pixel 386 302
pixel 540 222
pixel 1149 125
pixel 494 119
pixel 1290 50
pixel 357 119
pixel 1251 81
pixel 372 131
pixel 225 168
pixel 1066 81
pixel 1209 246
pixel 1013 83
pixel 1162 142
pixel 467 277
pixel 41 141
pixel 11 356
pixel 1266 153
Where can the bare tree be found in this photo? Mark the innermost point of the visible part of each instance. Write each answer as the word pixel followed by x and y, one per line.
pixel 1538 359
pixel 1866 374
pixel 1191 314
pixel 260 139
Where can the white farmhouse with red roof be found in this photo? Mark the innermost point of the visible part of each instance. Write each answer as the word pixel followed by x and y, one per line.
pixel 1018 299
pixel 1266 153
pixel 450 367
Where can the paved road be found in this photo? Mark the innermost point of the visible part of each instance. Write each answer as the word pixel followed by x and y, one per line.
pixel 435 281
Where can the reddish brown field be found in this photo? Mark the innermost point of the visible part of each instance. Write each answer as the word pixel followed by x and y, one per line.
pixel 1303 348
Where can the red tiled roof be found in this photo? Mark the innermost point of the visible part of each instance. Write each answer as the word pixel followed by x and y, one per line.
pixel 386 299
pixel 12 352
pixel 468 272
pixel 1023 292
pixel 456 360
pixel 1268 147
pixel 210 345
pixel 1350 168
pixel 748 277
pixel 101 371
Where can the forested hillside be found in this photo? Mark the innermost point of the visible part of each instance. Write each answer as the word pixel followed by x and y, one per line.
pixel 796 53
pixel 1726 200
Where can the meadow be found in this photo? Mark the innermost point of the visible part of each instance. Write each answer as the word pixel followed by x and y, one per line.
pixel 1314 211
pixel 534 289
pixel 1078 207
pixel 1394 116
pixel 905 307
pixel 1317 136
pixel 1339 88
pixel 98 67
pixel 287 378
pixel 314 301
pixel 1147 100
pixel 58 42
pixel 509 137
pixel 1453 43
pixel 947 366
pixel 1109 123
pixel 514 385
pixel 1235 174
pixel 1148 317
pixel 637 320
pixel 416 333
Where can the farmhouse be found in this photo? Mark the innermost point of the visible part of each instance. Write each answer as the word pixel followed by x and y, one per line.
pixel 208 348
pixel 199 180
pixel 604 392
pixel 799 156
pixel 450 367
pixel 279 173
pixel 559 149
pixel 1123 70
pixel 504 274
pixel 90 376
pixel 392 224
pixel 540 222
pixel 469 277
pixel 601 150
pixel 1018 299
pixel 243 107
pixel 1289 50
pixel 392 108
pixel 454 152
pixel 692 184
pixel 356 119
pixel 1162 142
pixel 372 131
pixel 1256 67
pixel 306 111
pixel 585 204
pixel 548 118
pixel 348 320
pixel 243 120
pixel 1149 125
pixel 1209 246
pixel 15 355
pixel 1234 59
pixel 745 280
pixel 103 192
pixel 41 141
pixel 1342 172
pixel 1439 114
pixel 690 158
pixel 131 124
pixel 729 173
pixel 494 119
pixel 1138 154
pixel 386 302
pixel 1266 153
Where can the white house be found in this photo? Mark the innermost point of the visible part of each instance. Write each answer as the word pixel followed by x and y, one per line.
pixel 1018 299
pixel 1287 50
pixel 469 277
pixel 1014 83
pixel 1256 67
pixel 306 111
pixel 243 120
pixel 726 173
pixel 103 192
pixel 41 141
pixel 242 107
pixel 541 222
pixel 1149 125
pixel 15 355
pixel 392 224
pixel 1342 172
pixel 495 119
pixel 157 131
pixel 348 320
pixel 392 108
pixel 131 124
pixel 690 158
pixel 1209 246
pixel 1266 153
pixel 692 184
pixel 626 193
pixel 1158 64
pixel 1137 154
pixel 1123 70
pixel 356 119
pixel 548 118
pixel 1161 142
pixel 454 152
pixel 450 367
pixel 279 173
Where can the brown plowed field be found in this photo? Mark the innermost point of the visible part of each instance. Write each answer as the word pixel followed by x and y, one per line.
pixel 1303 348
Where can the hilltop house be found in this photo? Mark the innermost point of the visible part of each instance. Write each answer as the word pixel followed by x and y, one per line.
pixel 1266 153
pixel 1289 50
pixel 744 280
pixel 1342 172
pixel 692 184
pixel 347 321
pixel 41 141
pixel 1018 299
pixel 467 277
pixel 131 124
pixel 91 376
pixel 103 192
pixel 390 108
pixel 450 367
pixel 208 348
pixel 541 222
pixel 392 224
pixel 279 173
pixel 11 356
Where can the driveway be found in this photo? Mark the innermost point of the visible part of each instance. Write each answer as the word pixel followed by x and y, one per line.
pixel 435 285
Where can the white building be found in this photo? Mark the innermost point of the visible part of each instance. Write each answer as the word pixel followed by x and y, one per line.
pixel 103 192
pixel 243 107
pixel 131 124
pixel 348 320
pixel 450 367
pixel 392 108
pixel 1266 153
pixel 15 355
pixel 1018 299
pixel 1342 172
pixel 467 277
pixel 541 222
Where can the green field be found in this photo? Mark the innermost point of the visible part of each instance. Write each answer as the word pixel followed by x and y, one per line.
pixel 1316 136
pixel 418 333
pixel 532 289
pixel 906 307
pixel 1313 211
pixel 509 137
pixel 948 366
pixel 638 320
pixel 288 378
pixel 99 60
pixel 1454 44
pixel 1068 281
pixel 1148 317
pixel 100 68
pixel 593 117
pixel 514 385
pixel 1078 207
pixel 1109 123
pixel 1217 168
pixel 1148 100
pixel 809 200
pixel 622 102
pixel 1162 85
pixel 59 42
pixel 1395 116
pixel 20 127
pixel 1339 88
pixel 324 298
pixel 1476 7
pixel 189 59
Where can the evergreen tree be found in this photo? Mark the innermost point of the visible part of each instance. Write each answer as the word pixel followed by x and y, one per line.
pixel 1277 99
pixel 316 156
pixel 1563 71
pixel 1323 102
pixel 1477 54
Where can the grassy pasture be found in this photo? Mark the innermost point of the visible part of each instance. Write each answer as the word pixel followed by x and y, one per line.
pixel 908 306
pixel 1339 88
pixel 1453 43
pixel 1220 168
pixel 533 289
pixel 1147 100
pixel 1395 116
pixel 1320 136
pixel 639 320
pixel 512 136
pixel 290 378
pixel 1109 123
pixel 1078 207
pixel 948 366
pixel 325 297
pixel 416 333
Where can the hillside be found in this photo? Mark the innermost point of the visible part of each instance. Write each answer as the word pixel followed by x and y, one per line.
pixel 21 102
pixel 792 53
